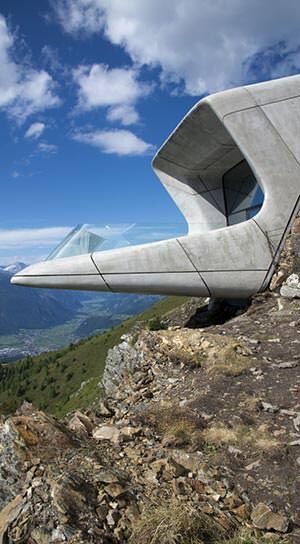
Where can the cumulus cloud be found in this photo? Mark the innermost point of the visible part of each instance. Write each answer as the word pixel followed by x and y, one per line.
pixel 117 88
pixel 125 113
pixel 13 238
pixel 204 46
pixel 35 130
pixel 119 142
pixel 85 16
pixel 47 148
pixel 30 244
pixel 23 90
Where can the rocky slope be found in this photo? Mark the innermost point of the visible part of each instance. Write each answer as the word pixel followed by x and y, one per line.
pixel 197 439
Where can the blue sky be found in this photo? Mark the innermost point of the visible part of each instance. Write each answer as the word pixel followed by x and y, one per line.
pixel 89 89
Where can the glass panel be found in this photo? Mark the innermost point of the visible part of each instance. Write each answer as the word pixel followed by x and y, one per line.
pixel 238 217
pixel 243 195
pixel 90 238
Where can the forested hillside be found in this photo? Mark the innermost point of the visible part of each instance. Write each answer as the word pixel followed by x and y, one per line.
pixel 66 379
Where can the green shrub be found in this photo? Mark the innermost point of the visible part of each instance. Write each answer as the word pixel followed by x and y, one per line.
pixel 156 324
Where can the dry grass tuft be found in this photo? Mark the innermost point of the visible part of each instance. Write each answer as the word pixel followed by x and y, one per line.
pixel 250 402
pixel 216 353
pixel 179 427
pixel 245 536
pixel 229 357
pixel 240 435
pixel 187 359
pixel 220 434
pixel 175 522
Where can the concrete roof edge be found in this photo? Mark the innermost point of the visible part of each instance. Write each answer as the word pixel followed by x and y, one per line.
pixel 236 99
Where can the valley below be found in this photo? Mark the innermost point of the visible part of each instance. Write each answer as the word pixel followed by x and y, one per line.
pixel 70 316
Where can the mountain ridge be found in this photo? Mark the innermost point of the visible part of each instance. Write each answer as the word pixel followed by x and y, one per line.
pixel 32 308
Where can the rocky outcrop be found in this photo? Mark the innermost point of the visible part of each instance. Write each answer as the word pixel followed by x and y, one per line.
pixel 10 465
pixel 121 360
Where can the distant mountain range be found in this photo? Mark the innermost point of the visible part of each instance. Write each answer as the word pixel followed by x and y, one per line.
pixel 26 308
pixel 13 268
pixel 31 308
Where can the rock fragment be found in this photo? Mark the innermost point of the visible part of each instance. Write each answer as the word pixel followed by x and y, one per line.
pixel 9 514
pixel 107 432
pixel 287 364
pixel 80 423
pixel 268 407
pixel 296 423
pixel 264 518
pixel 291 287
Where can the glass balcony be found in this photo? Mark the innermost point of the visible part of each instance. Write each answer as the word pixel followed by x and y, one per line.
pixel 90 238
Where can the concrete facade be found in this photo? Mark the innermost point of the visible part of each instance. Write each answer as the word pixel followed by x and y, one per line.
pixel 230 146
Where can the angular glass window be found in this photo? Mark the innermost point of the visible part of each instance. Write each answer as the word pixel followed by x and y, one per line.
pixel 243 196
pixel 87 238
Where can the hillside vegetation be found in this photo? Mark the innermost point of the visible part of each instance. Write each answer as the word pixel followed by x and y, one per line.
pixel 63 380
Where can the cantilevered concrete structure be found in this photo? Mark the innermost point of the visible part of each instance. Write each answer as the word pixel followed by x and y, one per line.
pixel 232 166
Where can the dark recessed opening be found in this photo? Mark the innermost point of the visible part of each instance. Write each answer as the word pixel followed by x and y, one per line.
pixel 242 194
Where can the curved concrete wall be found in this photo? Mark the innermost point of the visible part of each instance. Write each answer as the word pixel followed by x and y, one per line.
pixel 259 124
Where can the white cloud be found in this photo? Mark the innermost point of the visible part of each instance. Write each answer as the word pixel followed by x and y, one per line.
pixel 100 86
pixel 206 45
pixel 47 148
pixel 30 244
pixel 51 60
pixel 35 130
pixel 23 90
pixel 14 238
pixel 76 17
pixel 124 113
pixel 117 88
pixel 119 142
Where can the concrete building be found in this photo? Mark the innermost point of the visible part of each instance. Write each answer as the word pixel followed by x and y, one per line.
pixel 232 166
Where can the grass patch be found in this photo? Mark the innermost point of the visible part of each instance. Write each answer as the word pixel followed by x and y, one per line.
pixel 228 356
pixel 241 435
pixel 245 536
pixel 215 353
pixel 251 402
pixel 175 522
pixel 178 427
pixel 190 360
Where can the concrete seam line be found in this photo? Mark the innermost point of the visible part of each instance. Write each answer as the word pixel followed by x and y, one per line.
pixel 271 247
pixel 107 285
pixel 259 105
pixel 280 245
pixel 189 258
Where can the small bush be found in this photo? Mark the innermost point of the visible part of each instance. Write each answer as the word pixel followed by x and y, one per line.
pixel 156 324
